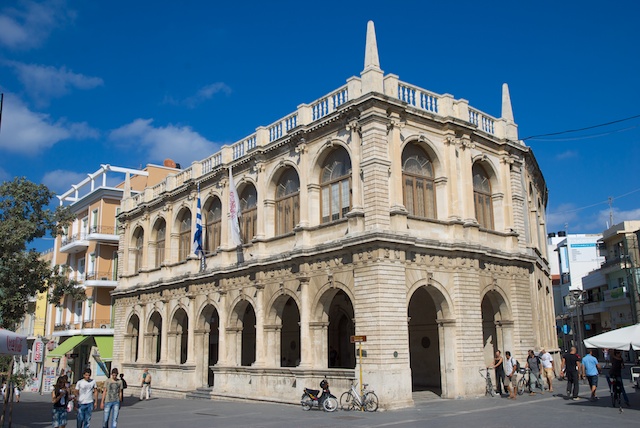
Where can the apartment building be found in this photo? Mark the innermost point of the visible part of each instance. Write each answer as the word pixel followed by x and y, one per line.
pixel 80 332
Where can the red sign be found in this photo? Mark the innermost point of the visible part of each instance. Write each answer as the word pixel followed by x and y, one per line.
pixel 38 351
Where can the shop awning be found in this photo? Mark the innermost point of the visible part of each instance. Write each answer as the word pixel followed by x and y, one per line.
pixel 105 346
pixel 67 346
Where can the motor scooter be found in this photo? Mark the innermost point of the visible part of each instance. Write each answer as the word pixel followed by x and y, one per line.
pixel 313 398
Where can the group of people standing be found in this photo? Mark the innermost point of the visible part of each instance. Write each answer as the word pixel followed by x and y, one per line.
pixel 573 367
pixel 85 395
pixel 506 370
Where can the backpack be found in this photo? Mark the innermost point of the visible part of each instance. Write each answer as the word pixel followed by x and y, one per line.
pixel 124 383
pixel 516 364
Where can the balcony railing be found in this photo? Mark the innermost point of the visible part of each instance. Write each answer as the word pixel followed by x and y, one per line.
pixel 104 230
pixel 100 276
pixel 98 323
pixel 68 239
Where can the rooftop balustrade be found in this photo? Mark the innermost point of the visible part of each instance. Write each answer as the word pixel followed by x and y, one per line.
pixel 439 105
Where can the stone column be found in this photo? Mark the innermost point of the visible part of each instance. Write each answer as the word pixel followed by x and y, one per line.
pixel 306 340
pixel 223 343
pixel 260 335
pixel 142 329
pixel 191 342
pixel 165 332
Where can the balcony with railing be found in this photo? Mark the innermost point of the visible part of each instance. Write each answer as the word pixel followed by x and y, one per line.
pixel 74 243
pixel 103 233
pixel 98 323
pixel 100 279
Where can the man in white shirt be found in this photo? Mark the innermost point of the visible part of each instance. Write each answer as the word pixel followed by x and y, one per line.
pixel 547 364
pixel 87 392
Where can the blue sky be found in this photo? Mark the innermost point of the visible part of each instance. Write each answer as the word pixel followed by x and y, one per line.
pixel 134 82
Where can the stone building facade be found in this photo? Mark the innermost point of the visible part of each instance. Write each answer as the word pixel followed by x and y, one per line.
pixel 382 210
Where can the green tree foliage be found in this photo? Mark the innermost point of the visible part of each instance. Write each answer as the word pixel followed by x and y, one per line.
pixel 24 217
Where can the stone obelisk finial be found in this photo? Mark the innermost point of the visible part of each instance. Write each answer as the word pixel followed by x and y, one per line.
pixel 372 75
pixel 507 111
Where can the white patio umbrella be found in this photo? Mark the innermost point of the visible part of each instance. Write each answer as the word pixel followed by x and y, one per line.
pixel 12 343
pixel 624 339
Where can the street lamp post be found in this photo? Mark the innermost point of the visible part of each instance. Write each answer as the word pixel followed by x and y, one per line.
pixel 577 299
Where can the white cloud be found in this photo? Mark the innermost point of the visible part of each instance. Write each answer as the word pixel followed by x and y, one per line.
pixel 44 82
pixel 60 180
pixel 28 132
pixel 30 23
pixel 179 143
pixel 205 93
pixel 567 155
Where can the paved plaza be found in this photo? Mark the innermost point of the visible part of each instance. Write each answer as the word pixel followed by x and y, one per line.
pixel 527 411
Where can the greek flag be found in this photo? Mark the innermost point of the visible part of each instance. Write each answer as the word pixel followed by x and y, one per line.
pixel 197 236
pixel 234 212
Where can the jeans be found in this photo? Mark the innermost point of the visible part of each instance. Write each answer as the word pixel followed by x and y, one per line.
pixel 84 415
pixel 111 407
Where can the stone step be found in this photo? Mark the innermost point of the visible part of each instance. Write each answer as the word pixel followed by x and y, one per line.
pixel 203 393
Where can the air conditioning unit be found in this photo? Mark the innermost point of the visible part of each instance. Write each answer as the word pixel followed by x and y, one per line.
pixel 104 325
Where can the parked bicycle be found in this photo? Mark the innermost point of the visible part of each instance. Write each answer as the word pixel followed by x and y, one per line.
pixel 352 399
pixel 490 390
pixel 525 381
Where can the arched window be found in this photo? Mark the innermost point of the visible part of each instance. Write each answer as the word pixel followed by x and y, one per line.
pixel 287 202
pixel 213 225
pixel 335 184
pixel 184 245
pixel 417 176
pixel 138 242
pixel 161 233
pixel 482 197
pixel 248 213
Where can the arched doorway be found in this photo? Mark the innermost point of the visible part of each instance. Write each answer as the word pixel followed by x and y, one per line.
pixel 180 332
pixel 494 317
pixel 209 328
pixel 341 327
pixel 131 338
pixel 424 342
pixel 245 325
pixel 290 334
pixel 153 343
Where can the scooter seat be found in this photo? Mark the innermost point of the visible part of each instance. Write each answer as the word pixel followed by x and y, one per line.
pixel 312 391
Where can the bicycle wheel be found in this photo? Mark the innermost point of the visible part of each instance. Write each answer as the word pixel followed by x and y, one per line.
pixel 615 400
pixel 370 402
pixel 522 384
pixel 490 389
pixel 347 401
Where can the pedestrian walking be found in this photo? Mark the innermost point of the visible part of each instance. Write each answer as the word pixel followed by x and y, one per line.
pixel 112 396
pixel 145 383
pixel 547 365
pixel 87 392
pixel 616 372
pixel 591 370
pixel 59 398
pixel 535 366
pixel 571 367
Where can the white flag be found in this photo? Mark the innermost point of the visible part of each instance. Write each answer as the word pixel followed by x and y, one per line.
pixel 234 211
